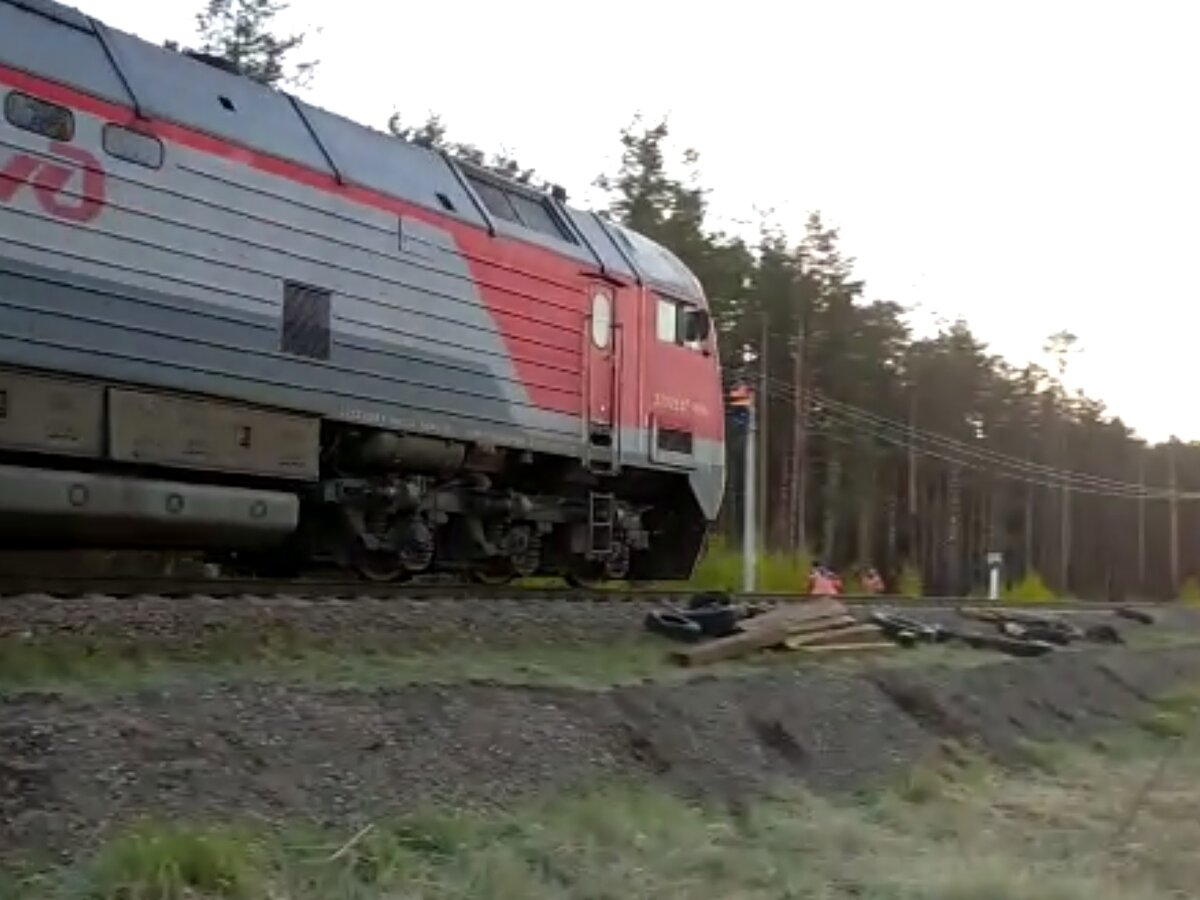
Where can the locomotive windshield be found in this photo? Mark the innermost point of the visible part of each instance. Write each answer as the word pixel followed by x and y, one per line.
pixel 661 264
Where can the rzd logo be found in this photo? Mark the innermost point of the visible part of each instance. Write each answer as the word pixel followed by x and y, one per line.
pixel 49 180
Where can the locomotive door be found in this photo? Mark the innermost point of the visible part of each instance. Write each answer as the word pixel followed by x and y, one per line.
pixel 601 381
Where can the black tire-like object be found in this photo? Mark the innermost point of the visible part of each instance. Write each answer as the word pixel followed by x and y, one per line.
pixel 1050 631
pixel 908 631
pixel 1104 634
pixel 673 624
pixel 1136 615
pixel 709 599
pixel 715 621
pixel 1008 645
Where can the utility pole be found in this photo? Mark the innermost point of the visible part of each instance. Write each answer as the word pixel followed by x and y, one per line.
pixel 799 511
pixel 750 526
pixel 1173 497
pixel 1060 345
pixel 915 556
pixel 1141 518
pixel 764 459
pixel 1064 540
pixel 742 400
pixel 1064 521
pixel 798 514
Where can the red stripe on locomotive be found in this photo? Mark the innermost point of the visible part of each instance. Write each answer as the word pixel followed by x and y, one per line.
pixel 507 272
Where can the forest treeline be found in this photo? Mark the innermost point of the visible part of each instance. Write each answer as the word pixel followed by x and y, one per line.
pixel 876 445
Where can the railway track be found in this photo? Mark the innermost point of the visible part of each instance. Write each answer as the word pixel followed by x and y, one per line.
pixel 320 589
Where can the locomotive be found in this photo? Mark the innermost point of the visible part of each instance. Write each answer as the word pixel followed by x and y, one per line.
pixel 235 323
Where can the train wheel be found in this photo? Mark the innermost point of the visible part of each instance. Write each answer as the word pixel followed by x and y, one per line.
pixel 585 578
pixel 492 577
pixel 379 566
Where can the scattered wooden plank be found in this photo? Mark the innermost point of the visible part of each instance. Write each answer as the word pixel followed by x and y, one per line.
pixel 850 648
pixel 980 615
pixel 765 630
pixel 825 623
pixel 830 636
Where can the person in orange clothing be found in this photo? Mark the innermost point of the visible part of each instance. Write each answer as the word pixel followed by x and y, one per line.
pixel 823 583
pixel 871 581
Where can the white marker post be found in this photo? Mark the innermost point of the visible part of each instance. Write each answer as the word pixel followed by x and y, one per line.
pixel 994 561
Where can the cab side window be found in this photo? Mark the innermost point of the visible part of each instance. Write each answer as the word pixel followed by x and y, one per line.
pixel 668 321
pixel 671 323
pixel 133 146
pixel 39 116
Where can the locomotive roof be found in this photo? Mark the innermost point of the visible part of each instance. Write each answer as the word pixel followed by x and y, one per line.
pixel 64 45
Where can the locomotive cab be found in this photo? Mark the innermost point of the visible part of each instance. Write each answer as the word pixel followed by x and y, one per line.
pixel 681 411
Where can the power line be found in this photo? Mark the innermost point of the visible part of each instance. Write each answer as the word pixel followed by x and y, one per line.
pixel 984 459
pixel 956 452
pixel 1062 475
pixel 1058 476
pixel 885 429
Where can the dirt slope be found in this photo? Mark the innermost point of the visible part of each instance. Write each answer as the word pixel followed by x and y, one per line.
pixel 72 769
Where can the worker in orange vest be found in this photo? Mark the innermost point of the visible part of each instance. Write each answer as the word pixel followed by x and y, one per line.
pixel 871 581
pixel 823 583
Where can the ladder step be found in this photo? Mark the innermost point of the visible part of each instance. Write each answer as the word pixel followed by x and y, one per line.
pixel 601 522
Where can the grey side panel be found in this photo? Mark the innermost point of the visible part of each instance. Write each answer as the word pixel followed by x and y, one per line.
pixel 111 331
pixel 173 87
pixel 51 415
pixel 58 44
pixel 177 431
pixel 190 255
pixel 28 41
pixel 708 477
pixel 383 163
pixel 65 14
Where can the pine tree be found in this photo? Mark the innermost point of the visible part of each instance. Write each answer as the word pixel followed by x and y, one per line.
pixel 434 134
pixel 240 32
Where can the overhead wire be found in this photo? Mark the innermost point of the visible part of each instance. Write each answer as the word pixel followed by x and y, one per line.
pixel 960 453
pixel 1018 474
pixel 828 404
pixel 975 451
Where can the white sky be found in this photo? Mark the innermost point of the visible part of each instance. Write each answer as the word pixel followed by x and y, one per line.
pixel 1029 166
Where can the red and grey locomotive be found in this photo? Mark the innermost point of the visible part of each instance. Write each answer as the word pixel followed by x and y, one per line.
pixel 234 322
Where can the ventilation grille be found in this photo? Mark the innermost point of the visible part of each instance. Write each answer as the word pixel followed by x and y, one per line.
pixel 306 312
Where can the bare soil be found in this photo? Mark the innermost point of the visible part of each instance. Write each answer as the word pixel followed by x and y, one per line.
pixel 157 624
pixel 72 770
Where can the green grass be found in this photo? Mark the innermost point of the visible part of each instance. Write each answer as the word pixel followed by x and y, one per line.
pixel 720 569
pixel 174 862
pixel 1030 589
pixel 955 829
pixel 1189 592
pixel 910 584
pixel 1174 715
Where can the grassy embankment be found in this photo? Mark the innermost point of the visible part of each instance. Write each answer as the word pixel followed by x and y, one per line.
pixel 960 829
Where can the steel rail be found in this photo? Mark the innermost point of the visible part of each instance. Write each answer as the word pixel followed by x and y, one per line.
pixel 335 589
